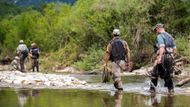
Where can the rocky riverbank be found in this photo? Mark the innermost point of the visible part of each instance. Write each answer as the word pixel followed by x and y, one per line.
pixel 49 80
pixel 19 79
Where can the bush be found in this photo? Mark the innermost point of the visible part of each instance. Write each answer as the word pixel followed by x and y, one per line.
pixel 183 48
pixel 92 60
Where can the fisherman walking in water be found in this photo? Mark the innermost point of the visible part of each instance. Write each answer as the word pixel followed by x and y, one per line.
pixel 165 51
pixel 118 53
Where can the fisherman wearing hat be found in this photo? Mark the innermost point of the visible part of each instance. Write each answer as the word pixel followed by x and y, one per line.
pixel 22 52
pixel 165 50
pixel 34 54
pixel 118 53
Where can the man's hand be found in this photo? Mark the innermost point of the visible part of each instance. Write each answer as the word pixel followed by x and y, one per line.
pixel 105 65
pixel 128 67
pixel 128 64
pixel 158 61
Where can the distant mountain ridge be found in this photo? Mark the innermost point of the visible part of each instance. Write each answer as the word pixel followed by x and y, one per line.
pixel 36 3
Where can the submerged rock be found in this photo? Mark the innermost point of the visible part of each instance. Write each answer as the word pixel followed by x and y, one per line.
pixel 17 78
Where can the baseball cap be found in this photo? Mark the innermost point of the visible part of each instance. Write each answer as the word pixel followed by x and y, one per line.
pixel 116 32
pixel 160 25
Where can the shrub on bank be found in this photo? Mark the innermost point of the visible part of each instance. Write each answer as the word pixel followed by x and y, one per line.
pixel 92 61
pixel 183 47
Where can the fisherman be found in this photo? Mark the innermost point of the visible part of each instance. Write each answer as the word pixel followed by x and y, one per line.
pixel 118 53
pixel 34 54
pixel 165 51
pixel 22 52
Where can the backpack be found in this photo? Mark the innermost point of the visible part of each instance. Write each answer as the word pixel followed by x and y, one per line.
pixel 117 50
pixel 168 40
pixel 24 54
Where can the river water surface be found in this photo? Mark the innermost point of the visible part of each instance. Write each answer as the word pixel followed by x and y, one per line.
pixel 135 94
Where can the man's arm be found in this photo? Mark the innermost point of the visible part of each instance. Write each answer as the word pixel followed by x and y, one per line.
pixel 107 56
pixel 174 48
pixel 30 53
pixel 159 57
pixel 38 53
pixel 128 55
pixel 161 46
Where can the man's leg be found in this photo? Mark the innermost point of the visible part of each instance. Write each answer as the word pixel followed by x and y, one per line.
pixel 169 83
pixel 33 65
pixel 117 76
pixel 37 65
pixel 154 78
pixel 153 84
pixel 168 64
pixel 22 65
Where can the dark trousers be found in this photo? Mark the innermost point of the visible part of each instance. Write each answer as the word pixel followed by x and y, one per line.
pixel 22 69
pixel 163 70
pixel 22 60
pixel 35 64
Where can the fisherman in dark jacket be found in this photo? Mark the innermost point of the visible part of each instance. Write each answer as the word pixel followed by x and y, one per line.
pixel 118 53
pixel 34 54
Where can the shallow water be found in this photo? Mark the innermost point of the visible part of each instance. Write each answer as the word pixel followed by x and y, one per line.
pixel 97 94
pixel 86 98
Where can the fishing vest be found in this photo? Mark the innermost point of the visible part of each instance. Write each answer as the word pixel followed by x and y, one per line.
pixel 117 50
pixel 168 41
pixel 35 52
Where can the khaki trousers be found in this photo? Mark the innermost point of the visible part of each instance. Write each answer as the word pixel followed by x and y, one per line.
pixel 117 67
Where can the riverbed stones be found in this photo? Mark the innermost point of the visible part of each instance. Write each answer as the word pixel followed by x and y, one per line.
pixel 17 78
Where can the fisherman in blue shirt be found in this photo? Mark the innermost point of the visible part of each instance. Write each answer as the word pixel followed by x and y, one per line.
pixel 163 65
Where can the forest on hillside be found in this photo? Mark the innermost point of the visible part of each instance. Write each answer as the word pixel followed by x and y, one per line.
pixel 77 35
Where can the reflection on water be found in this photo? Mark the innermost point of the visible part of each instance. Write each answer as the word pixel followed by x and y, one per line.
pixel 135 94
pixel 23 95
pixel 155 100
pixel 169 101
pixel 87 98
pixel 118 98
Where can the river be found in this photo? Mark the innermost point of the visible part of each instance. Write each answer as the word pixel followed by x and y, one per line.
pixel 135 94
